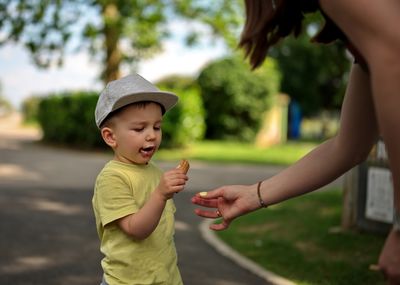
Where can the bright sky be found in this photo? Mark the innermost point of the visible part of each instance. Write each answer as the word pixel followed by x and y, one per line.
pixel 20 79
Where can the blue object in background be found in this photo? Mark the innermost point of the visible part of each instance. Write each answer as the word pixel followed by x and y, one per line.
pixel 294 120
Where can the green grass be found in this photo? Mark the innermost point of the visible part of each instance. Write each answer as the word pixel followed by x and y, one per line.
pixel 235 152
pixel 298 239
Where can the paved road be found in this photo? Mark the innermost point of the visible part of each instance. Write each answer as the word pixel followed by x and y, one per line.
pixel 47 226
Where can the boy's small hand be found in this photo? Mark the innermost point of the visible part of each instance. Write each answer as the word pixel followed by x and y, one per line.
pixel 171 182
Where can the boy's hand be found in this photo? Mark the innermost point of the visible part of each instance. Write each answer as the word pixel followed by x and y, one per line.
pixel 171 182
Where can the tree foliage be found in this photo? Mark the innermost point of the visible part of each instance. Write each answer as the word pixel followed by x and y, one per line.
pixel 114 31
pixel 224 18
pixel 315 75
pixel 184 123
pixel 119 32
pixel 235 98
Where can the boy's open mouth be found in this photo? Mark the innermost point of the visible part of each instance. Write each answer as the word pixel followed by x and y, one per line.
pixel 147 150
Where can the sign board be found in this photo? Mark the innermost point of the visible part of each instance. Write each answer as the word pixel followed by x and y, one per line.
pixel 379 204
pixel 368 196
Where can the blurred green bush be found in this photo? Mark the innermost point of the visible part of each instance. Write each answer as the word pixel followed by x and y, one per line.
pixel 185 123
pixel 68 118
pixel 235 97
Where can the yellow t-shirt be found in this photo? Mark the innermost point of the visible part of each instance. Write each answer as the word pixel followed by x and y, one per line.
pixel 122 189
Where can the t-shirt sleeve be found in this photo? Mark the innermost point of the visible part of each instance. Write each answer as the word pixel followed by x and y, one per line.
pixel 114 197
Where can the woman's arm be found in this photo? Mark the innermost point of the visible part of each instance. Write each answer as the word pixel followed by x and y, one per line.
pixel 357 134
pixel 373 32
pixel 355 138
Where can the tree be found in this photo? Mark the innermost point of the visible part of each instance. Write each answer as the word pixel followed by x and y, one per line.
pixel 127 31
pixel 225 19
pixel 235 98
pixel 313 75
pixel 115 31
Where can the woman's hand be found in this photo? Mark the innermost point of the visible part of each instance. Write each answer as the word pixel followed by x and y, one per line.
pixel 229 202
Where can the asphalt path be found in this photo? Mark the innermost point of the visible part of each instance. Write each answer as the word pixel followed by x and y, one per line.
pixel 47 226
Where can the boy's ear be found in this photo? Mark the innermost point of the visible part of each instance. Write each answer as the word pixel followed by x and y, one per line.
pixel 108 136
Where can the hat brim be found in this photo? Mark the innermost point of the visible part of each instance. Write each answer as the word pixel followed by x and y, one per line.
pixel 165 99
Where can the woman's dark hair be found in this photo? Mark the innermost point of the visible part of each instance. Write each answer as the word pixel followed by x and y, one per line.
pixel 265 25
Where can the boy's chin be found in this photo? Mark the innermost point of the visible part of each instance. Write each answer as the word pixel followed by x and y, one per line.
pixel 144 160
pixel 141 160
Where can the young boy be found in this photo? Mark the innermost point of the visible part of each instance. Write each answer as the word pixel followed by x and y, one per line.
pixel 132 198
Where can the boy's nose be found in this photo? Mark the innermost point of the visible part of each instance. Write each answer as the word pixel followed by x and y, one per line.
pixel 151 135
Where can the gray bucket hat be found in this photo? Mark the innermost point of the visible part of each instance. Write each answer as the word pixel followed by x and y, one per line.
pixel 127 90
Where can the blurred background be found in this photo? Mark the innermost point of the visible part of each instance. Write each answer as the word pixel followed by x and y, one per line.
pixel 73 48
pixel 57 56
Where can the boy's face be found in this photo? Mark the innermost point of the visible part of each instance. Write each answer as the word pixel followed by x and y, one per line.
pixel 137 133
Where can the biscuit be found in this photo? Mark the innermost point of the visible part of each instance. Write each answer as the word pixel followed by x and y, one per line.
pixel 184 165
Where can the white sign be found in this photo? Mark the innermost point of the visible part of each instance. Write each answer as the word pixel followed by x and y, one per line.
pixel 379 205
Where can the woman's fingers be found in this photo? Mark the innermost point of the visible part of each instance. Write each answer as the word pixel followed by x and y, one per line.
pixel 219 227
pixel 209 203
pixel 207 214
pixel 219 192
pixel 213 215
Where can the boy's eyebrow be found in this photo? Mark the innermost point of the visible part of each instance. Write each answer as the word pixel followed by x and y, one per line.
pixel 144 122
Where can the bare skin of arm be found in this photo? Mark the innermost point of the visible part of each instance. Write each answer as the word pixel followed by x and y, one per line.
pixel 372 100
pixel 350 146
pixel 141 224
pixel 372 32
pixel 357 134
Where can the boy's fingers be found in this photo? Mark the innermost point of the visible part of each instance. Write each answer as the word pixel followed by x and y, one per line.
pixel 177 188
pixel 175 172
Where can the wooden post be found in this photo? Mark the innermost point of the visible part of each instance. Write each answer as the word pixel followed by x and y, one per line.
pixel 350 198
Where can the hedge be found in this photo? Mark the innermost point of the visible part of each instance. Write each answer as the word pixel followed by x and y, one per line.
pixel 185 123
pixel 235 98
pixel 68 119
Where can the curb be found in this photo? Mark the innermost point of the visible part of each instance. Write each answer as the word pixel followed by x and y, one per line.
pixel 211 238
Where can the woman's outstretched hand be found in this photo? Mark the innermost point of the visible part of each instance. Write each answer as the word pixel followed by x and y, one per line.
pixel 227 202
